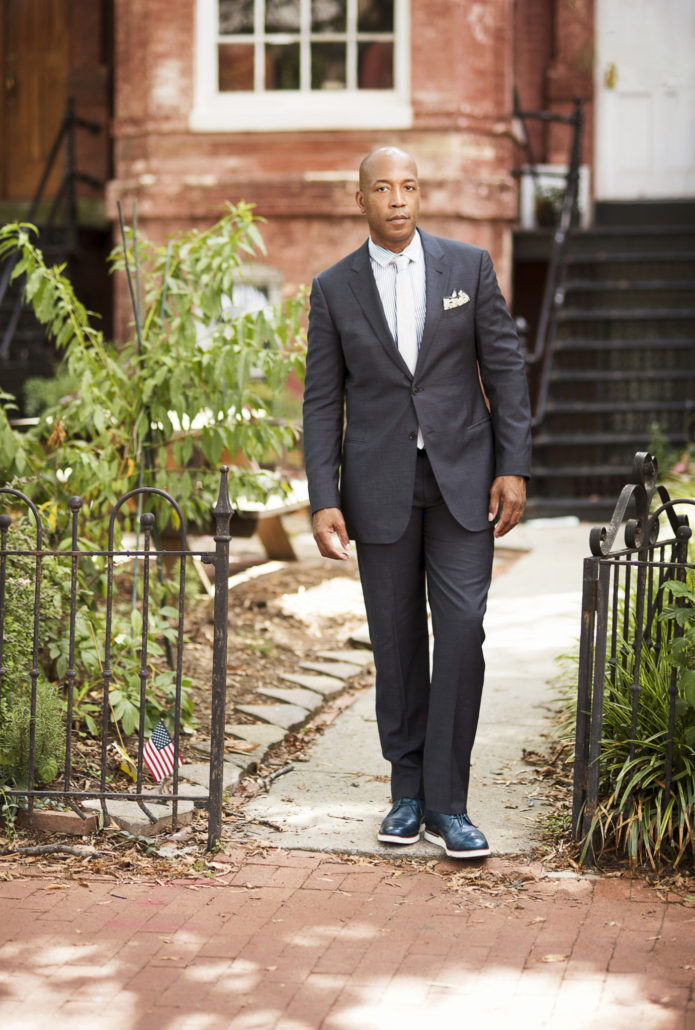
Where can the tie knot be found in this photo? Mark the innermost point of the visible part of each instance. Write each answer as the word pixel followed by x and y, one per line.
pixel 401 261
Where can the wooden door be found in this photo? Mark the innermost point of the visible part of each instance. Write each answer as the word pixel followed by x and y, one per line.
pixel 645 99
pixel 34 62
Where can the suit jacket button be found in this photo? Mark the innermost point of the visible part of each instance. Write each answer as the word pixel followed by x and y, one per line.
pixel 412 436
pixel 416 389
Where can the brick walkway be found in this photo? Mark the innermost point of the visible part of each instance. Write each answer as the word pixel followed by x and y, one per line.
pixel 300 941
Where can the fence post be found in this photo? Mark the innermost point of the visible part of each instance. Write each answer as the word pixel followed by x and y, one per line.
pixel 222 513
pixel 586 665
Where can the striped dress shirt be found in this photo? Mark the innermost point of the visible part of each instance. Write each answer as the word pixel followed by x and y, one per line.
pixel 385 273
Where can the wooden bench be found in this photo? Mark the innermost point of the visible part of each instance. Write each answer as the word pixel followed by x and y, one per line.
pixel 265 520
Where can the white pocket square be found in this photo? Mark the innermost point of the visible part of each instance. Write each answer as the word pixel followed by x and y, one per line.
pixel 457 298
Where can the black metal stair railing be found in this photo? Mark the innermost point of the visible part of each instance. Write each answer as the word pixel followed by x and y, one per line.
pixel 553 294
pixel 65 198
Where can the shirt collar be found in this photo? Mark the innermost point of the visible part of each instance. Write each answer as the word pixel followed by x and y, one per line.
pixel 382 256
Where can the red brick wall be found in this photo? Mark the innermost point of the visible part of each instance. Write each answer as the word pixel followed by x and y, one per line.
pixel 553 62
pixel 90 83
pixel 534 39
pixel 570 74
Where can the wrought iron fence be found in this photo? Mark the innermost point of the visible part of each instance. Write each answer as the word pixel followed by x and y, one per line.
pixel 147 557
pixel 625 591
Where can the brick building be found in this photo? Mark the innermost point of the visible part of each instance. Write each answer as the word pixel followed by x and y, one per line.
pixel 202 114
pixel 276 101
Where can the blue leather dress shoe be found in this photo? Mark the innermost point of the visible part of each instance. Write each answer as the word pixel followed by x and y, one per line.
pixel 456 834
pixel 402 824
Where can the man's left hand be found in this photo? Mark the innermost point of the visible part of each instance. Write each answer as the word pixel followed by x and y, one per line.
pixel 509 494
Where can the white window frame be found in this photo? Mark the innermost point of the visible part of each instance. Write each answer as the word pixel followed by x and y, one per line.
pixel 302 109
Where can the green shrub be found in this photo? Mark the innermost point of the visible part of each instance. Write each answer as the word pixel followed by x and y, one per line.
pixel 90 635
pixel 636 814
pixel 18 661
pixel 189 388
pixel 49 740
pixel 195 384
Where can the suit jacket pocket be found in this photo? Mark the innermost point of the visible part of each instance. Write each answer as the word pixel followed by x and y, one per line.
pixel 478 423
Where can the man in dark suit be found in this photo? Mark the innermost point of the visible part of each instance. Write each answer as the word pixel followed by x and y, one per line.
pixel 409 457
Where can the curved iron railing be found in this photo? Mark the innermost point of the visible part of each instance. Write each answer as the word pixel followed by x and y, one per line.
pixel 625 584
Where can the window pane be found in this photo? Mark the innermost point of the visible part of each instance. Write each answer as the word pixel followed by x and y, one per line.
pixel 282 15
pixel 236 17
pixel 282 66
pixel 375 66
pixel 375 16
pixel 328 16
pixel 328 66
pixel 235 67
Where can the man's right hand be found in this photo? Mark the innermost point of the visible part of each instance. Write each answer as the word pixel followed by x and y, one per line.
pixel 330 533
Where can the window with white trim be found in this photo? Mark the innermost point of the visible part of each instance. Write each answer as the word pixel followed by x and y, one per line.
pixel 301 64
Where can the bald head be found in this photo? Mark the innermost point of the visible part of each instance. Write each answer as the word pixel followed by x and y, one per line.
pixel 389 197
pixel 376 157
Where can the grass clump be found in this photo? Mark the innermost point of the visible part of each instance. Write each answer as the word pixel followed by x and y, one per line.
pixel 646 807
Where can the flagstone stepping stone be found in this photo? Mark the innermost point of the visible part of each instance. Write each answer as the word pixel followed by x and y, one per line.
pixel 353 656
pixel 321 684
pixel 132 819
pixel 288 716
pixel 341 670
pixel 308 699
pixel 199 772
pixel 361 636
pixel 247 761
pixel 262 733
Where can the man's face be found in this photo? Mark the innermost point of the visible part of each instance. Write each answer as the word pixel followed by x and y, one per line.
pixel 389 197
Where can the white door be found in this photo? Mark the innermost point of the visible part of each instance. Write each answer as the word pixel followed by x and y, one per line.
pixel 645 99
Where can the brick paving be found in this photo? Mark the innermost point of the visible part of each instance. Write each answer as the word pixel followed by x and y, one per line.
pixel 303 941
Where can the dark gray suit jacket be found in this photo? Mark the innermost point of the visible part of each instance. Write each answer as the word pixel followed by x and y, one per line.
pixel 362 406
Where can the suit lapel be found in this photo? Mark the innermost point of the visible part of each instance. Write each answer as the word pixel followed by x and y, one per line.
pixel 435 282
pixel 367 296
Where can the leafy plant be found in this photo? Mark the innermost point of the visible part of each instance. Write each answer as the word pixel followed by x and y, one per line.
pixel 680 652
pixel 193 385
pixel 182 393
pixel 18 660
pixel 676 465
pixel 90 634
pixel 49 739
pixel 8 813
pixel 636 813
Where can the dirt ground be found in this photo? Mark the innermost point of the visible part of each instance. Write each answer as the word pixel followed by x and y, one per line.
pixel 265 638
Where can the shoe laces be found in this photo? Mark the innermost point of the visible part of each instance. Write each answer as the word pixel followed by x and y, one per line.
pixel 463 819
pixel 411 803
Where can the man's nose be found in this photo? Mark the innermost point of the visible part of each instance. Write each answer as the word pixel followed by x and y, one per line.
pixel 397 198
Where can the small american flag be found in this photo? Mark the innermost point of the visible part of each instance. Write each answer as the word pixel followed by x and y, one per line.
pixel 158 754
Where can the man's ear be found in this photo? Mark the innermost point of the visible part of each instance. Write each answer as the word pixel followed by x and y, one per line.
pixel 360 201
